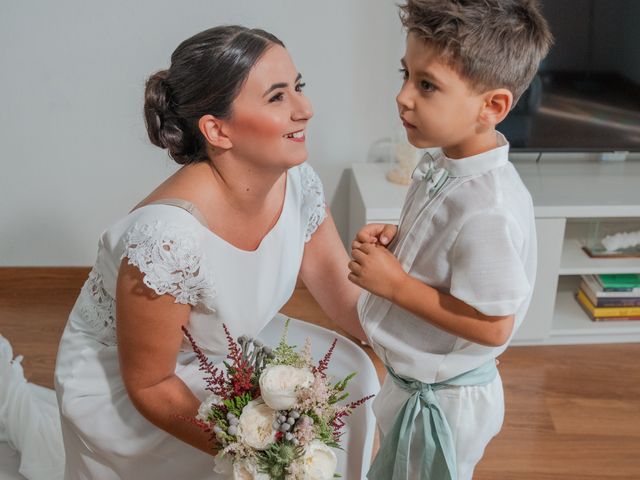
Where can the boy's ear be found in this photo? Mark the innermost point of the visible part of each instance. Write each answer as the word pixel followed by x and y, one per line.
pixel 496 106
pixel 215 132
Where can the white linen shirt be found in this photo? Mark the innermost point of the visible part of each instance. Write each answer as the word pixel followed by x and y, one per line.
pixel 474 239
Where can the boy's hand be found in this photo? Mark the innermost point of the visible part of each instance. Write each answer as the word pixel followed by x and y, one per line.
pixel 381 233
pixel 375 269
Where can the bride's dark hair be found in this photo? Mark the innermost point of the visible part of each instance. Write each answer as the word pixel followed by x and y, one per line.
pixel 207 71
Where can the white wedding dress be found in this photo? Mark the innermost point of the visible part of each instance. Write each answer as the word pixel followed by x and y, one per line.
pixel 105 437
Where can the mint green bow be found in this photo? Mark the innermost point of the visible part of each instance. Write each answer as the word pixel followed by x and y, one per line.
pixel 439 454
pixel 429 172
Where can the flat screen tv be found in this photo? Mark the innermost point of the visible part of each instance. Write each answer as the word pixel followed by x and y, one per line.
pixel 586 96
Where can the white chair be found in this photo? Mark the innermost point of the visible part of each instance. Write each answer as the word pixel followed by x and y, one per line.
pixel 357 441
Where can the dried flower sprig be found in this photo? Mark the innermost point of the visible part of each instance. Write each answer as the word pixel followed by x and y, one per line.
pixel 215 379
pixel 344 412
pixel 241 373
pixel 324 363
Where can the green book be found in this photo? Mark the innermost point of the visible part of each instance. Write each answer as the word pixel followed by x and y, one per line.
pixel 620 280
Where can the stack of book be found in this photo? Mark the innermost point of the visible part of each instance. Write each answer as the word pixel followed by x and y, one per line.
pixel 611 296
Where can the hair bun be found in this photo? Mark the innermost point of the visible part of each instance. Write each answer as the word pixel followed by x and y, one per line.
pixel 164 127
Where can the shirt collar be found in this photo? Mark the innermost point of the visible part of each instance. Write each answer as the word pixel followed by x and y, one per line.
pixel 475 164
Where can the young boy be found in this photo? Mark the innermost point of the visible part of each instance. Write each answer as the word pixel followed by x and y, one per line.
pixel 445 296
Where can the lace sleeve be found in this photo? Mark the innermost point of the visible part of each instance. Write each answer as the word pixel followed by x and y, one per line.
pixel 171 260
pixel 313 200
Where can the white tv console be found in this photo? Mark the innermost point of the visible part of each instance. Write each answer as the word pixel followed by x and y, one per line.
pixel 566 196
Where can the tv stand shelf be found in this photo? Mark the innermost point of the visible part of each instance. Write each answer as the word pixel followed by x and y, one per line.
pixel 566 195
pixel 575 261
pixel 571 325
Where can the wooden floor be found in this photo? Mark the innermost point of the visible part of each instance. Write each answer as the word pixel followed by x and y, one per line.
pixel 572 412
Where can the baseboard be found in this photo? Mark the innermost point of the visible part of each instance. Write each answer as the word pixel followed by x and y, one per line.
pixel 21 277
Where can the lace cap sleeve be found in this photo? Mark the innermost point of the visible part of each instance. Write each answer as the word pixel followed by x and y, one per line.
pixel 313 205
pixel 171 260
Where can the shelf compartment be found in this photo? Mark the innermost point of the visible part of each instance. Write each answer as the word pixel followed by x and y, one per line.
pixel 579 232
pixel 572 325
pixel 576 262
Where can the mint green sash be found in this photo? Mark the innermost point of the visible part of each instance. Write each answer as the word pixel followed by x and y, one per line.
pixel 439 455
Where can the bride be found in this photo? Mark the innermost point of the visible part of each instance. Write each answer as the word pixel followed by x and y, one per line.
pixel 223 240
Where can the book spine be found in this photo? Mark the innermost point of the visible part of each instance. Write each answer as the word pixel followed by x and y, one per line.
pixel 614 286
pixel 608 301
pixel 618 302
pixel 614 319
pixel 593 318
pixel 616 311
pixel 607 311
pixel 595 286
pixel 622 289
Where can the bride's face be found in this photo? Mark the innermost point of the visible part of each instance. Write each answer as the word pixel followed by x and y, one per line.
pixel 270 114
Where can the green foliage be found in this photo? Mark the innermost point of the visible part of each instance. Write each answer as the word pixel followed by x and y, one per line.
pixel 340 387
pixel 224 438
pixel 286 354
pixel 335 399
pixel 236 404
pixel 217 415
pixel 277 457
pixel 323 430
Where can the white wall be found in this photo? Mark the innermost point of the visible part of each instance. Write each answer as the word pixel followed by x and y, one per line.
pixel 73 149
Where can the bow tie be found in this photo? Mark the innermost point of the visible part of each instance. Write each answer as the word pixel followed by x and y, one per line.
pixel 429 172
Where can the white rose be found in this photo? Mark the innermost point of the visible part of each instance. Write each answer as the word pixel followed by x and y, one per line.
pixel 319 462
pixel 247 470
pixel 278 385
pixel 223 464
pixel 255 425
pixel 207 405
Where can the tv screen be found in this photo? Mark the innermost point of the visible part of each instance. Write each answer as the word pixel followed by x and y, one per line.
pixel 586 96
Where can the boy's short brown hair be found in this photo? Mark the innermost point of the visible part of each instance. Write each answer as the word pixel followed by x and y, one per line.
pixel 490 43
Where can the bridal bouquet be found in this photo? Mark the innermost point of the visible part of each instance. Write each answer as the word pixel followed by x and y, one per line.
pixel 273 413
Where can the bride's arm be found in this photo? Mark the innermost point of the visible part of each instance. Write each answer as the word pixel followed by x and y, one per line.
pixel 149 339
pixel 324 271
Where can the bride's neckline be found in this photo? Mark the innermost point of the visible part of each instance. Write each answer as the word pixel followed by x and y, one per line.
pixel 283 209
pixel 198 216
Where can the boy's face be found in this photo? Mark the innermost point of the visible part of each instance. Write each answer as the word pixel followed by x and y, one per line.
pixel 437 107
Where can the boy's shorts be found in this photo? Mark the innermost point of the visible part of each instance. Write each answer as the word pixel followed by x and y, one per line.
pixel 475 415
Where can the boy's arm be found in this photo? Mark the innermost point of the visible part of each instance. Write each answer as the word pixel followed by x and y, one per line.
pixel 375 269
pixel 452 314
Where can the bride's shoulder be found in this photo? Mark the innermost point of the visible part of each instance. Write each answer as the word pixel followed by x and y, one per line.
pixel 165 242
pixel 157 217
pixel 153 228
pixel 312 200
pixel 307 182
pixel 306 176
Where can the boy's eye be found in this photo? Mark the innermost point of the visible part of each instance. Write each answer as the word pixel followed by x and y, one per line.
pixel 300 86
pixel 427 86
pixel 404 73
